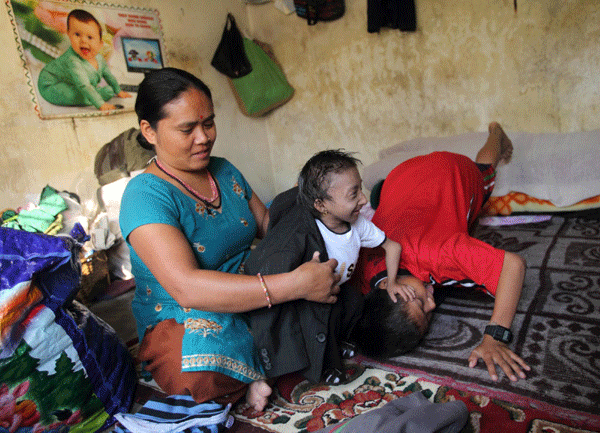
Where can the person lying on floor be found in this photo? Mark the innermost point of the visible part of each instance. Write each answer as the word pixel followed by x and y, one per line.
pixel 321 215
pixel 427 204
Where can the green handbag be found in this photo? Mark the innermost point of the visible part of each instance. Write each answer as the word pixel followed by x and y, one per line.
pixel 266 87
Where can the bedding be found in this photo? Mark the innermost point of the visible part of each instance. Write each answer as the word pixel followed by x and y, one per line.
pixel 61 367
pixel 549 172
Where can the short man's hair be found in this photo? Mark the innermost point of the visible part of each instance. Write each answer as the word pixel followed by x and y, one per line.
pixel 315 177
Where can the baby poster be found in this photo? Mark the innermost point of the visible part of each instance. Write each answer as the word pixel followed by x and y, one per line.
pixel 82 58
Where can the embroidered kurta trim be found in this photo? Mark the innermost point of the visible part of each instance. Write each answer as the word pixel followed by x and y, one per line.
pixel 220 361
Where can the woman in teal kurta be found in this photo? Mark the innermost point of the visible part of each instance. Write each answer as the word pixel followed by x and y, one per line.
pixel 189 221
pixel 227 345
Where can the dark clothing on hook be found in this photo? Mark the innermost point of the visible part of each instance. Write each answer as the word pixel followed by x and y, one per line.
pixel 395 14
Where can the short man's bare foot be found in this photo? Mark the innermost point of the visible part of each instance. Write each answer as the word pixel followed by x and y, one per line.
pixel 258 394
pixel 506 146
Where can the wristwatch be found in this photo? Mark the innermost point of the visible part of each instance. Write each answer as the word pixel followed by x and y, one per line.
pixel 499 333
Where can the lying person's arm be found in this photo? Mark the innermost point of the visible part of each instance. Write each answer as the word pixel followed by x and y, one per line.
pixel 508 293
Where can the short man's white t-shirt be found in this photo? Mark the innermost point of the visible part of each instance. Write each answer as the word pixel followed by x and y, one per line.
pixel 345 247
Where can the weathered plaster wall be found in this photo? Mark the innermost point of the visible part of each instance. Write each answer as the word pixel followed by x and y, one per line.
pixel 470 62
pixel 60 152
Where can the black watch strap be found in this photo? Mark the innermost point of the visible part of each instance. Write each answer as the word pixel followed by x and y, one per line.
pixel 499 333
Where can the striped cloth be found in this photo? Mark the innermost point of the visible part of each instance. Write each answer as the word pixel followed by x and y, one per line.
pixel 176 413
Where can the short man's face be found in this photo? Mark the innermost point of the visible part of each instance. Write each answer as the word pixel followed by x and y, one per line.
pixel 85 38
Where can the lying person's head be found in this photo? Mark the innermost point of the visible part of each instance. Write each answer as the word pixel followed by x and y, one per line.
pixel 330 187
pixel 387 329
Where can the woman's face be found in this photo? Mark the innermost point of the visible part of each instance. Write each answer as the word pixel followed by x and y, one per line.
pixel 184 139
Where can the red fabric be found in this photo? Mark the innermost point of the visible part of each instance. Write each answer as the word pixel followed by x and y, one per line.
pixel 427 204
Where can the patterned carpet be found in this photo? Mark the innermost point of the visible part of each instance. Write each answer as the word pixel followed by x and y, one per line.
pixel 299 407
pixel 556 329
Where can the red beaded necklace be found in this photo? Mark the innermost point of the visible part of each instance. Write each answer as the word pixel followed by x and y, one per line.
pixel 213 185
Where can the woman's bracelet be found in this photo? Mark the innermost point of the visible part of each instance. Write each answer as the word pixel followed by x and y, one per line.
pixel 264 287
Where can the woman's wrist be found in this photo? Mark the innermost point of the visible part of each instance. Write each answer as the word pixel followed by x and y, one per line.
pixel 281 287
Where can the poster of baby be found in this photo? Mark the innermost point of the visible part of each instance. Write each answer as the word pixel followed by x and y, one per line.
pixel 85 59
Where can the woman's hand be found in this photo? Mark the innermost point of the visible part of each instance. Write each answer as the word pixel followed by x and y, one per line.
pixel 318 281
pixel 495 352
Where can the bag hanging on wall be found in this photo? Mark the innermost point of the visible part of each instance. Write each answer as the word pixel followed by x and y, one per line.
pixel 230 58
pixel 319 10
pixel 266 87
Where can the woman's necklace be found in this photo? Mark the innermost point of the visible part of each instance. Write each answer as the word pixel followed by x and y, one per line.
pixel 213 185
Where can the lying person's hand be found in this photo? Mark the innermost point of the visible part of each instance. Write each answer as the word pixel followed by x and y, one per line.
pixel 319 280
pixel 405 291
pixel 494 352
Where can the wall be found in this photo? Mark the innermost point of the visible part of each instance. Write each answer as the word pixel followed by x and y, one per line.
pixel 60 152
pixel 470 62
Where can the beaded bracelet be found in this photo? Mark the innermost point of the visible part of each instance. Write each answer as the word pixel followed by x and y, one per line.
pixel 264 287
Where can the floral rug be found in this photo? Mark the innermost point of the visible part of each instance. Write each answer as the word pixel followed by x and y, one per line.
pixel 298 407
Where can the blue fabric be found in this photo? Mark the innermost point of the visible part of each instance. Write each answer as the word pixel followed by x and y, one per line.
pixel 24 255
pixel 176 413
pixel 107 362
pixel 221 241
pixel 39 271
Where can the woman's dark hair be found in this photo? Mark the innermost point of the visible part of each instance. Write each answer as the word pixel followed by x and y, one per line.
pixel 315 176
pixel 157 89
pixel 385 329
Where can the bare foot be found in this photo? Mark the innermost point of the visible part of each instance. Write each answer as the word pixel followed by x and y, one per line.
pixel 506 146
pixel 497 147
pixel 258 395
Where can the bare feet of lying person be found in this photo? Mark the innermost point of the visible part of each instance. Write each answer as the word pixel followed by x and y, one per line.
pixel 258 395
pixel 506 146
pixel 498 146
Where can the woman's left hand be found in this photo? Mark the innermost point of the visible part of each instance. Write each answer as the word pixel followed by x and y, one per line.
pixel 494 352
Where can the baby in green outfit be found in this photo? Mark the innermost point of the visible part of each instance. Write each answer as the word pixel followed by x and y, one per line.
pixel 73 78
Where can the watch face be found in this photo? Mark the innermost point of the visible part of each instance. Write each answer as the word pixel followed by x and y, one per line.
pixel 499 333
